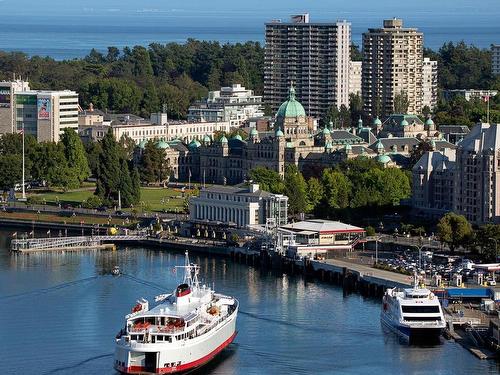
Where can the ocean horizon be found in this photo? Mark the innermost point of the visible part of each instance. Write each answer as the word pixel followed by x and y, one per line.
pixel 69 37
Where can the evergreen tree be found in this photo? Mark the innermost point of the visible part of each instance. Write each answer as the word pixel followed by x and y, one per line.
pixel 75 155
pixel 125 185
pixel 108 176
pixel 136 185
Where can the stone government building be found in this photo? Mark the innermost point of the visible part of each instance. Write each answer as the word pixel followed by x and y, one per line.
pixel 295 140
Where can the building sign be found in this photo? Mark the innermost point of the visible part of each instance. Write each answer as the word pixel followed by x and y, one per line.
pixel 4 98
pixel 43 108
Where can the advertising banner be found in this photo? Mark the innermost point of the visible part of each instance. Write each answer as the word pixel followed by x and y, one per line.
pixel 4 98
pixel 43 108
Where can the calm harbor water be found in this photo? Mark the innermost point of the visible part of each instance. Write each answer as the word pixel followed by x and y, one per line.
pixel 60 313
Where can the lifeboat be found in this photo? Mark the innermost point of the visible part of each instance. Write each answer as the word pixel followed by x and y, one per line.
pixel 137 308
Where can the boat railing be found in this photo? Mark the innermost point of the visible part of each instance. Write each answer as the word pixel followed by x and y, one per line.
pixel 424 323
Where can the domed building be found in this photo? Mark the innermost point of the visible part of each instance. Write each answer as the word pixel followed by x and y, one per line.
pixel 292 120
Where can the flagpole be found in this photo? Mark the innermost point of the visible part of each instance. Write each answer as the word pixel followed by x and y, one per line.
pixel 488 111
pixel 24 190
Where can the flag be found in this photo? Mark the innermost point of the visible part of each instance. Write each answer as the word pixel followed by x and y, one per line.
pixel 14 234
pixel 190 172
pixel 486 98
pixel 21 131
pixel 32 233
pixel 48 232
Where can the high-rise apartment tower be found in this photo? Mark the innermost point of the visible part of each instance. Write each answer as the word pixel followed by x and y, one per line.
pixel 314 57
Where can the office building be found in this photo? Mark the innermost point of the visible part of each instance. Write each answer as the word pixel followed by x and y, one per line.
pixel 392 66
pixel 314 57
pixel 234 104
pixel 495 59
pixel 238 205
pixel 45 114
pixel 430 83
pixel 8 89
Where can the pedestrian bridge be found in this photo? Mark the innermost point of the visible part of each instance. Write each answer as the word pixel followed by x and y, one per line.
pixel 62 243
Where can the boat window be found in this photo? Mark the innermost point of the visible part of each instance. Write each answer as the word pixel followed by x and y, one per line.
pixel 159 338
pixel 420 309
pixel 421 318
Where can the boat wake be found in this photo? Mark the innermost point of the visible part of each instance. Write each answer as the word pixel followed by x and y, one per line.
pixel 50 289
pixel 59 369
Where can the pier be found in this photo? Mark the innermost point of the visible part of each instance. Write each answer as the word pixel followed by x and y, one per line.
pixel 30 245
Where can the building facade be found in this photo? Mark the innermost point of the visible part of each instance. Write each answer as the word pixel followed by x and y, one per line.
pixel 8 89
pixel 234 104
pixel 314 57
pixel 355 74
pixel 45 114
pixel 238 205
pixel 495 59
pixel 430 83
pixel 477 175
pixel 433 183
pixel 468 94
pixel 392 65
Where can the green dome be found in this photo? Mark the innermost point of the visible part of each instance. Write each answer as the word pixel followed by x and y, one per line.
pixel 348 147
pixel 194 144
pixel 206 139
pixel 279 133
pixel 404 122
pixel 384 159
pixel 328 146
pixel 291 108
pixel 223 139
pixel 379 145
pixel 326 131
pixel 429 122
pixel 254 132
pixel 142 144
pixel 377 122
pixel 238 137
pixel 162 145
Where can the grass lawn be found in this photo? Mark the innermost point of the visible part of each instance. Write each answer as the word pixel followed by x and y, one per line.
pixel 152 199
pixel 53 218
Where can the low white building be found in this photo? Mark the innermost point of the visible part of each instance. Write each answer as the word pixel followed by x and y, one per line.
pixel 495 59
pixel 320 238
pixel 469 94
pixel 238 205
pixel 355 71
pixel 234 104
pixel 430 83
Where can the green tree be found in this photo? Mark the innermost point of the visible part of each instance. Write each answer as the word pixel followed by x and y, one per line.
pixel 315 193
pixel 153 166
pixel 125 186
pixel 136 185
pixel 337 189
pixel 108 172
pixel 267 179
pixel 10 170
pixel 401 102
pixel 75 154
pixel 454 230
pixel 487 238
pixel 295 190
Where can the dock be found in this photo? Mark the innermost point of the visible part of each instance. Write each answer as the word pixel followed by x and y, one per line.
pixel 80 243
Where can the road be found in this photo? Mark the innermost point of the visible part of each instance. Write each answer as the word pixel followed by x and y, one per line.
pixel 369 271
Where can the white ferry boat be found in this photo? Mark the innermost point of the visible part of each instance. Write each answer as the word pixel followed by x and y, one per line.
pixel 185 330
pixel 413 313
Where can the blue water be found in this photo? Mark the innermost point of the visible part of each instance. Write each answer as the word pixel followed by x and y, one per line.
pixel 70 36
pixel 60 313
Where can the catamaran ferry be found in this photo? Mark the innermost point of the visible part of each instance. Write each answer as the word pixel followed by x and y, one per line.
pixel 185 330
pixel 413 313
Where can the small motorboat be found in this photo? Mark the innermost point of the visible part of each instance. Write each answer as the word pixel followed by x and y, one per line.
pixel 116 271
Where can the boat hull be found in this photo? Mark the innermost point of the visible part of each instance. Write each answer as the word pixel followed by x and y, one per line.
pixel 412 334
pixel 188 355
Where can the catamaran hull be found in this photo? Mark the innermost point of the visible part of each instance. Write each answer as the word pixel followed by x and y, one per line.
pixel 165 359
pixel 411 334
